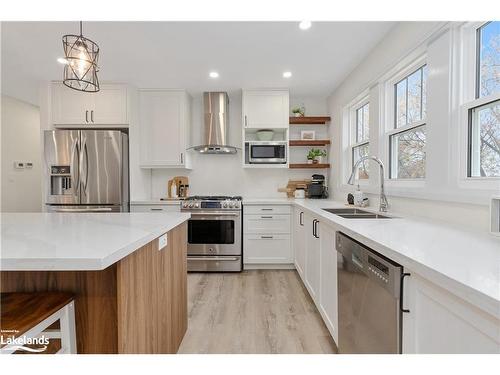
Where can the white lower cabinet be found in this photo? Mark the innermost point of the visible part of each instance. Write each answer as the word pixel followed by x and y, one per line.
pixel 266 236
pixel 328 303
pixel 312 274
pixel 316 263
pixel 440 322
pixel 267 249
pixel 299 242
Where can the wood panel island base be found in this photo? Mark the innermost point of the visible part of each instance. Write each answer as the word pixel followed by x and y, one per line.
pixel 136 305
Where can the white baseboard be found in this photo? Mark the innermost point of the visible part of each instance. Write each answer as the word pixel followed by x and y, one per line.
pixel 268 266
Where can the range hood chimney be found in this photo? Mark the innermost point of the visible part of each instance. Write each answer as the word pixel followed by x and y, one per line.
pixel 216 121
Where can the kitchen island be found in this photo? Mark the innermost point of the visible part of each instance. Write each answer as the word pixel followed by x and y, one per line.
pixel 127 270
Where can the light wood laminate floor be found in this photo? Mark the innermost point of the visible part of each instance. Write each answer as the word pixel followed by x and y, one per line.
pixel 263 311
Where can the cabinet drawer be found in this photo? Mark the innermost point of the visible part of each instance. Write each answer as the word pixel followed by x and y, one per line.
pixel 267 248
pixel 155 208
pixel 267 209
pixel 266 223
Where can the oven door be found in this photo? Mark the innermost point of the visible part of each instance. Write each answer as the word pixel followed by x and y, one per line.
pixel 214 233
pixel 267 153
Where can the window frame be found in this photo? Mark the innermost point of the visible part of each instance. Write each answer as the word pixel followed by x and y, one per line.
pixel 350 118
pixel 399 74
pixel 469 100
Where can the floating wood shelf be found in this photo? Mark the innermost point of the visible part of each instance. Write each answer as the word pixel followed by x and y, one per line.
pixel 315 142
pixel 309 120
pixel 309 166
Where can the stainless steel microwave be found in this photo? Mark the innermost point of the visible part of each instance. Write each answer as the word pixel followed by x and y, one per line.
pixel 267 152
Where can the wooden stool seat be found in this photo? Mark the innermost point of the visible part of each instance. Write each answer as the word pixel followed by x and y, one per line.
pixel 30 314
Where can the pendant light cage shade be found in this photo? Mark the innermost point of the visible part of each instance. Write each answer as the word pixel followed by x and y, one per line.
pixel 80 71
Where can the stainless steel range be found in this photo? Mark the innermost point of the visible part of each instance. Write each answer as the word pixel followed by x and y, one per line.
pixel 214 233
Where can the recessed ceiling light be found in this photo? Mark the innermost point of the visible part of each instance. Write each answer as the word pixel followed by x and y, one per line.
pixel 62 60
pixel 287 74
pixel 213 75
pixel 304 25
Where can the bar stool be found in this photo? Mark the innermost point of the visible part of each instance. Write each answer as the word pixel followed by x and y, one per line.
pixel 28 322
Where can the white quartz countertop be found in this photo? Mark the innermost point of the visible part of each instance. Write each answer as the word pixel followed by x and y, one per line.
pixel 77 241
pixel 170 202
pixel 465 262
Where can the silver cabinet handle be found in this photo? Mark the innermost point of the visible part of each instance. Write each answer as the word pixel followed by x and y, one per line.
pixel 87 116
pixel 267 237
pixel 75 181
pixel 266 217
pixel 156 209
pixel 301 218
pixel 193 214
pixel 92 115
pixel 267 209
pixel 182 158
pixel 246 124
pixel 214 259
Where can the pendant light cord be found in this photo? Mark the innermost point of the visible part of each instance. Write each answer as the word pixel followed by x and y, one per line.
pixel 81 32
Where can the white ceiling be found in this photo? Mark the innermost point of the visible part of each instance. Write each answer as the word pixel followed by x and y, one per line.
pixel 181 54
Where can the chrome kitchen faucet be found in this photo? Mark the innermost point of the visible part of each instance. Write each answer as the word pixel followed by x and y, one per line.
pixel 383 199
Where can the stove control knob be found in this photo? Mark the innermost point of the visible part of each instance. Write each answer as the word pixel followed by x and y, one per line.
pixel 191 205
pixel 224 205
pixel 233 204
pixel 185 205
pixel 196 205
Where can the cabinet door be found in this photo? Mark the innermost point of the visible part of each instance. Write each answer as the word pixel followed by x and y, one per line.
pixel 265 109
pixel 312 257
pixel 442 323
pixel 161 126
pixel 328 279
pixel 110 106
pixel 299 242
pixel 70 107
pixel 267 248
pixel 266 224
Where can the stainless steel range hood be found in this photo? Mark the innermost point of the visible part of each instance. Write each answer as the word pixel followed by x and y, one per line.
pixel 216 121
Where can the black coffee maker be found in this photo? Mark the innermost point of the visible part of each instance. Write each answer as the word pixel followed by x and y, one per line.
pixel 317 188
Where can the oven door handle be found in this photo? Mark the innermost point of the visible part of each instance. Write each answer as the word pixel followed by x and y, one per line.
pixel 214 259
pixel 213 214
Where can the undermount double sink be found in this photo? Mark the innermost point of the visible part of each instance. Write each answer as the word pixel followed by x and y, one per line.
pixel 355 213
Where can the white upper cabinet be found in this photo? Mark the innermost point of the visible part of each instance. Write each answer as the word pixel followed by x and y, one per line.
pixel 109 106
pixel 265 109
pixel 164 120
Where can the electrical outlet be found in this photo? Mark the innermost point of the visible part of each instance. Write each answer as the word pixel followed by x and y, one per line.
pixel 162 242
pixel 29 164
pixel 18 165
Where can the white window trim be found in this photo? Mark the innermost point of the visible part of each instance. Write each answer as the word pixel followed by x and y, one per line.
pixel 399 72
pixel 349 129
pixel 466 96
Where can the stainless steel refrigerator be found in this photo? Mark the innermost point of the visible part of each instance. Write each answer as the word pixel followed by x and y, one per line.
pixel 86 170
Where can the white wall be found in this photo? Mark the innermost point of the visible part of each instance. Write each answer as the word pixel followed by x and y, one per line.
pixel 20 138
pixel 440 196
pixel 223 174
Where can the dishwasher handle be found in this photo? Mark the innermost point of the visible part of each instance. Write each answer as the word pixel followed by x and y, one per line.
pixel 401 292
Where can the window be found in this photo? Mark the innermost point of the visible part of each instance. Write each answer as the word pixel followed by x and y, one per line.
pixel 361 145
pixel 407 141
pixel 484 112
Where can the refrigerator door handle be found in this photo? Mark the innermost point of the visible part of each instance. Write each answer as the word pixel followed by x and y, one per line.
pixel 75 176
pixel 86 166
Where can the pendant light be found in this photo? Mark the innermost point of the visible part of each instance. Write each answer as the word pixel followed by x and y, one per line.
pixel 81 54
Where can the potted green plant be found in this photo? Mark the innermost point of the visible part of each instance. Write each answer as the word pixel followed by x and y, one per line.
pixel 315 156
pixel 299 111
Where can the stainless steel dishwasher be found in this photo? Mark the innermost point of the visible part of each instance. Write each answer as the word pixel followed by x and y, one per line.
pixel 369 295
